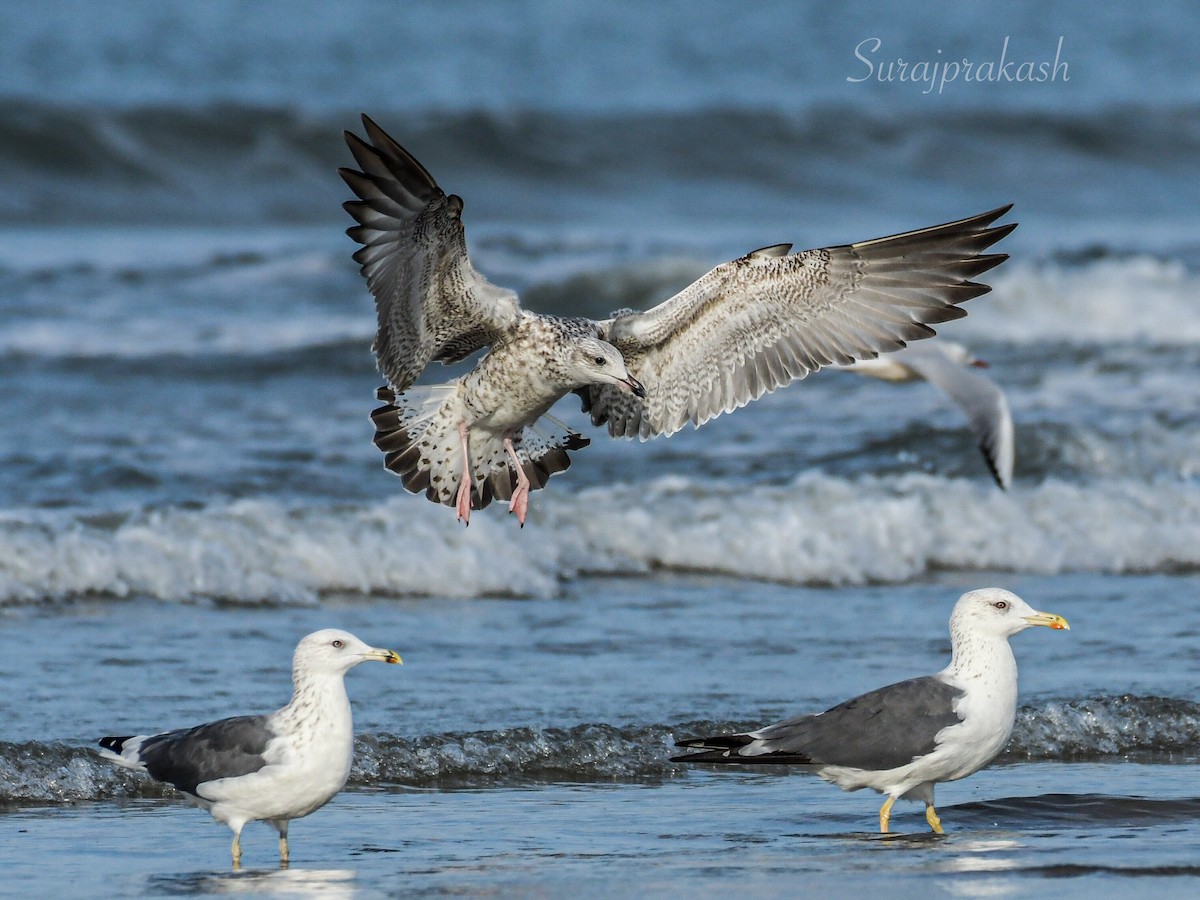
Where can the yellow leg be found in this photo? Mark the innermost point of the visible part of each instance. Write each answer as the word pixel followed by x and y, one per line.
pixel 283 851
pixel 931 817
pixel 885 815
pixel 237 850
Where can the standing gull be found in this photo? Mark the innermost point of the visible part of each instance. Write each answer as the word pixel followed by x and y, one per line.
pixel 948 365
pixel 746 328
pixel 901 740
pixel 275 767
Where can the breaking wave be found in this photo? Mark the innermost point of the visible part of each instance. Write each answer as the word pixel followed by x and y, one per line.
pixel 871 530
pixel 1094 728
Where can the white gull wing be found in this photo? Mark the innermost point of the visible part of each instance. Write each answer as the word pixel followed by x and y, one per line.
pixel 980 399
pixel 759 322
pixel 430 301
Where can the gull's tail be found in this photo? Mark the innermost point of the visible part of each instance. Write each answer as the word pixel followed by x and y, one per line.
pixel 123 750
pixel 417 431
pixel 744 749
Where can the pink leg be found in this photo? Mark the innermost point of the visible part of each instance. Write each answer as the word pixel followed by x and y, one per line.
pixel 463 500
pixel 520 497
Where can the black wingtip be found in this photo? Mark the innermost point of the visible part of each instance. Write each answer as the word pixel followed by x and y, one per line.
pixel 992 215
pixel 1000 232
pixel 986 452
pixel 355 143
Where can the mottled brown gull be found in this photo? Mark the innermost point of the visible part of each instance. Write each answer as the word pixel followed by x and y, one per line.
pixel 275 767
pixel 746 328
pixel 901 740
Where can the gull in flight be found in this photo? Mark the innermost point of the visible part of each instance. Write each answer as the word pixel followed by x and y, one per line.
pixel 949 366
pixel 746 328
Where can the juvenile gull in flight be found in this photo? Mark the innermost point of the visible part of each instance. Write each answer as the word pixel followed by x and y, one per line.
pixel 903 739
pixel 746 328
pixel 275 767
pixel 944 364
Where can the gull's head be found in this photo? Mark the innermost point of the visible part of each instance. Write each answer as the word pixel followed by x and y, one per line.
pixel 594 361
pixel 960 354
pixel 1000 613
pixel 335 652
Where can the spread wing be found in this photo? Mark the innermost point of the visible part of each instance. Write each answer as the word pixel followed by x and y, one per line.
pixel 430 301
pixel 980 399
pixel 771 317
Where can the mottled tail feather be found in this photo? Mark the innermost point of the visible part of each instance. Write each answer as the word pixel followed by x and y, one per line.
pixel 422 446
pixel 415 447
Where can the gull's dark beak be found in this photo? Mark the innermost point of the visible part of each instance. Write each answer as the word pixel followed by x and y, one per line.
pixel 634 387
pixel 979 363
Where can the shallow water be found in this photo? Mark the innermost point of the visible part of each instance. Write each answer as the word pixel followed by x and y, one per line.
pixel 473 776
pixel 1050 831
pixel 187 481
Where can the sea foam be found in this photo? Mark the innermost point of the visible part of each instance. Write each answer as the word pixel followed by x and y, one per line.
pixel 816 530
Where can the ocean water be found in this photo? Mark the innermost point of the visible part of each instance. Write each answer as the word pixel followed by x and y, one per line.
pixel 188 484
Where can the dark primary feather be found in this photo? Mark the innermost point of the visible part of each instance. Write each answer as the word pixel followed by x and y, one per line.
pixel 880 730
pixel 430 301
pixel 189 757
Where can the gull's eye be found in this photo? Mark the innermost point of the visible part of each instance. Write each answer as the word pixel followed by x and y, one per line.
pixel 1001 604
pixel 338 644
pixel 599 360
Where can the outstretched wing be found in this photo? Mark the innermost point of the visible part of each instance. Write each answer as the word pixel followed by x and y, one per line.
pixel 430 301
pixel 771 317
pixel 980 399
